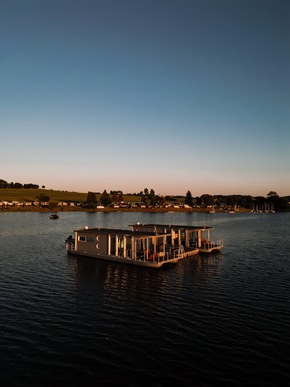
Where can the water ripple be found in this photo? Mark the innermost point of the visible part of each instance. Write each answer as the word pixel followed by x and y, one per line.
pixel 218 319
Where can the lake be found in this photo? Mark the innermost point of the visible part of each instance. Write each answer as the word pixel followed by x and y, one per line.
pixel 209 320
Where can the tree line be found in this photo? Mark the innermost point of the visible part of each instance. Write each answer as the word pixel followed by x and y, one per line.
pixel 148 197
pixel 258 203
pixel 5 184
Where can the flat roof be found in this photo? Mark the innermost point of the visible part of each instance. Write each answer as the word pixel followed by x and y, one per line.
pixel 116 231
pixel 171 226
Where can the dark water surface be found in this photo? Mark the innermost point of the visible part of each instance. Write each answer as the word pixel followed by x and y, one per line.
pixel 209 320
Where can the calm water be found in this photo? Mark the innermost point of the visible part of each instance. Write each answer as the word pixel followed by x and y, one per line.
pixel 209 320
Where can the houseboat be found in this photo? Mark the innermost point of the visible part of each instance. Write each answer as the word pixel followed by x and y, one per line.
pixel 149 245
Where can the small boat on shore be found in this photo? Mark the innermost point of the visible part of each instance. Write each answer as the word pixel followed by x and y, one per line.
pixel 53 216
pixel 148 245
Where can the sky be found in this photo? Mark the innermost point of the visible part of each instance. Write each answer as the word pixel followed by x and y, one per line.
pixel 169 95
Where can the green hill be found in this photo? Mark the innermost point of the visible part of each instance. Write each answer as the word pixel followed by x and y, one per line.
pixel 27 194
pixel 31 194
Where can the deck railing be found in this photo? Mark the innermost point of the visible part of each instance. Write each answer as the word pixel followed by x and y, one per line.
pixel 178 253
pixel 150 257
pixel 212 244
pixel 220 242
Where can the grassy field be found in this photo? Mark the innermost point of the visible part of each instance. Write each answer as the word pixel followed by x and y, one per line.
pixel 23 194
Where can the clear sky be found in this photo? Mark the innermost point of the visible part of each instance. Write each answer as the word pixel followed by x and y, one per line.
pixel 173 95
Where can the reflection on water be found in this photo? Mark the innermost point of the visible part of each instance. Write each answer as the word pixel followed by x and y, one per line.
pixel 117 276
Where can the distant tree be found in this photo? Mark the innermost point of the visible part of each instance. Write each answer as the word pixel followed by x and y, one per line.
pixel 161 200
pixel 120 197
pixel 207 200
pixel 146 192
pixel 272 194
pixel 276 203
pixel 91 200
pixel 30 186
pixel 259 203
pixel 43 198
pixel 143 198
pixel 114 197
pixel 247 202
pixel 282 204
pixel 188 198
pixel 43 186
pixel 105 199
pixel 152 197
pixel 3 184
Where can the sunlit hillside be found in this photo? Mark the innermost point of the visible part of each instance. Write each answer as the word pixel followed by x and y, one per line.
pixel 24 194
pixel 31 194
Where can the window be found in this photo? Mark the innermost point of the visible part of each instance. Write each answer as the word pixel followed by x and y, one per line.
pixel 82 239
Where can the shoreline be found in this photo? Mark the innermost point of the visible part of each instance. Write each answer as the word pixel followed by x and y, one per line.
pixel 151 210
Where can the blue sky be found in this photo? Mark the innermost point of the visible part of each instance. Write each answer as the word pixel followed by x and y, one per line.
pixel 132 94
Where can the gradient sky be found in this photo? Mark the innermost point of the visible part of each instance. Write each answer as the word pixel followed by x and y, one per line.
pixel 132 94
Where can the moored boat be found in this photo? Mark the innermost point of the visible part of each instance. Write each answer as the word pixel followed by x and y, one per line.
pixel 54 216
pixel 149 245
